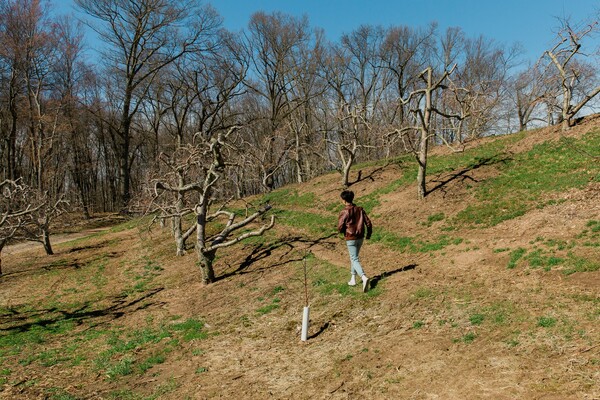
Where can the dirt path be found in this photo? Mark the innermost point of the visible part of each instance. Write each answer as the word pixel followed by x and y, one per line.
pixel 54 240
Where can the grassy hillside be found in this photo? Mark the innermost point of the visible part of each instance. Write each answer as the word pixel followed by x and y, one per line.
pixel 488 289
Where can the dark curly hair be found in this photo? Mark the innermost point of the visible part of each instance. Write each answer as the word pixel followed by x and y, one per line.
pixel 347 196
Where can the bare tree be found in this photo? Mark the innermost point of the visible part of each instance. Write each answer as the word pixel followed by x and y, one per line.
pixel 527 92
pixel 367 81
pixel 308 88
pixel 481 74
pixel 37 226
pixel 69 75
pixel 16 206
pixel 572 73
pixel 180 167
pixel 346 138
pixel 143 37
pixel 13 40
pixel 343 119
pixel 280 48
pixel 206 100
pixel 405 53
pixel 209 158
pixel 423 108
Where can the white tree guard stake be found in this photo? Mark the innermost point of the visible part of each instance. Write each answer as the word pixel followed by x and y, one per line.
pixel 305 316
pixel 306 313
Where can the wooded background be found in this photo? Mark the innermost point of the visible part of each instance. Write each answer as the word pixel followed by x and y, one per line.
pixel 174 101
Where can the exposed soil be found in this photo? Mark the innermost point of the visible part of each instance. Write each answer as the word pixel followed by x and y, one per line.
pixel 414 337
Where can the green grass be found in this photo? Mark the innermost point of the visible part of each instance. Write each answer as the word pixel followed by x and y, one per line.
pixel 326 279
pixel 313 223
pixel 142 279
pixel 123 367
pixel 546 322
pixel 122 356
pixel 274 305
pixel 35 334
pixel 406 244
pixel 500 313
pixel 467 338
pixel 288 198
pixel 434 218
pixel 424 293
pixel 548 254
pixel 191 329
pixel 578 264
pixel 59 394
pixel 539 258
pixel 515 256
pixel 157 358
pixel 141 223
pixel 550 167
pixel 593 225
pixel 476 319
pixel 418 324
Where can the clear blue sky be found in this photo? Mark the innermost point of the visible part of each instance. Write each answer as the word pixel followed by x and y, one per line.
pixel 530 22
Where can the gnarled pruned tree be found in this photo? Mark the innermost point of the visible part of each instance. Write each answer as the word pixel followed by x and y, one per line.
pixel 422 106
pixel 37 224
pixel 26 214
pixel 207 160
pixel 15 207
pixel 578 80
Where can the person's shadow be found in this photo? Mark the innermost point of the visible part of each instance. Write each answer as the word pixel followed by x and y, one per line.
pixel 374 281
pixel 372 285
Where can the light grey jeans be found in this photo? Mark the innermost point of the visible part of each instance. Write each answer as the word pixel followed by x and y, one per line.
pixel 354 250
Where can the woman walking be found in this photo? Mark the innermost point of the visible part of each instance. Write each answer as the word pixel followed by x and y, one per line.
pixel 352 222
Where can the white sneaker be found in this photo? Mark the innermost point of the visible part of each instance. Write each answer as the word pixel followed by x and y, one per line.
pixel 352 281
pixel 365 282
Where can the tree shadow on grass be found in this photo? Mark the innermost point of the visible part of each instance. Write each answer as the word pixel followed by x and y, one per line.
pixel 58 264
pixel 374 281
pixel 463 174
pixel 262 251
pixel 17 321
pixel 370 176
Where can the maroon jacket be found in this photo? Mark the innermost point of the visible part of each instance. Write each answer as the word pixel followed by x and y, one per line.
pixel 352 222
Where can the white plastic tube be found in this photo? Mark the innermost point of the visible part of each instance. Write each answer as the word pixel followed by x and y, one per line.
pixel 305 319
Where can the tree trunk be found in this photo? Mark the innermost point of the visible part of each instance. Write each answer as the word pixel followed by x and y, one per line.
pixel 46 241
pixel 299 162
pixel 124 133
pixel 177 223
pixel 124 171
pixel 347 163
pixel 346 174
pixel 180 242
pixel 206 259
pixel 424 140
pixel 566 117
pixel 422 160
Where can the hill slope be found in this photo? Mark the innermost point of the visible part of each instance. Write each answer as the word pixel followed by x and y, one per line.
pixel 488 289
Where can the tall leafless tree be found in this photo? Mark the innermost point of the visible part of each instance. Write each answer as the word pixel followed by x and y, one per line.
pixel 284 55
pixel 142 38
